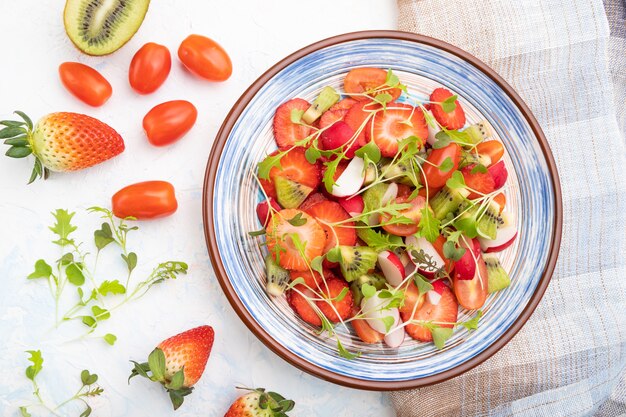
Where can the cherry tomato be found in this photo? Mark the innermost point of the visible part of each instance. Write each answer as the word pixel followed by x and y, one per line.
pixel 501 200
pixel 169 121
pixel 149 68
pixel 205 58
pixel 411 298
pixel 413 213
pixel 472 293
pixel 438 245
pixel 361 80
pixel 145 200
pixel 364 331
pixel 436 178
pixel 480 181
pixel 492 148
pixel 85 83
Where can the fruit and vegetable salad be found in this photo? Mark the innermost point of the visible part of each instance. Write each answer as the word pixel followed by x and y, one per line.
pixel 383 211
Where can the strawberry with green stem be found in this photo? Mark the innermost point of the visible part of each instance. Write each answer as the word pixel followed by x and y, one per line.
pixel 60 142
pixel 177 363
pixel 260 403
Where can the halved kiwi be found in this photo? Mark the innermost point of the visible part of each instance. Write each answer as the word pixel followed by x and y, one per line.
pixel 100 27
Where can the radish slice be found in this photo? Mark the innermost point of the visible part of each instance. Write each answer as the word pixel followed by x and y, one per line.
pixel 373 312
pixel 429 250
pixel 504 238
pixel 432 131
pixel 433 297
pixel 392 267
pixel 395 337
pixel 351 179
pixel 353 205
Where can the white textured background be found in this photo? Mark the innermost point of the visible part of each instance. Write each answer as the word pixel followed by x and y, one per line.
pixel 32 45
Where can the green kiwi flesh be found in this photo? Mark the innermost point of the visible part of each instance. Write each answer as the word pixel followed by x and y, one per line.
pixel 356 261
pixel 447 200
pixel 100 27
pixel 497 277
pixel 277 277
pixel 328 96
pixel 375 280
pixel 290 194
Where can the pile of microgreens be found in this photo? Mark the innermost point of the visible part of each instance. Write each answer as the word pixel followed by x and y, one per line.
pixel 94 300
pixel 88 389
pixel 411 155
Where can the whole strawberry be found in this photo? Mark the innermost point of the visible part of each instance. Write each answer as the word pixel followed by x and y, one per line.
pixel 178 362
pixel 61 142
pixel 258 403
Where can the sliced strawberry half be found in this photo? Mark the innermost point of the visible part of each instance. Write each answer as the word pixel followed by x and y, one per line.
pixel 280 239
pixel 344 104
pixel 357 116
pixel 312 200
pixel 453 120
pixel 287 133
pixel 332 212
pixel 331 290
pixel 396 123
pixel 446 311
pixel 301 305
pixel 312 279
pixel 363 80
pixel 332 116
pixel 364 331
pixel 293 166
pixel 479 181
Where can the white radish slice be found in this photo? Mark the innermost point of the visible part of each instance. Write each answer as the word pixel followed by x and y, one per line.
pixel 351 179
pixel 432 131
pixel 504 238
pixel 429 250
pixel 374 312
pixel 433 297
pixel 395 337
pixel 392 267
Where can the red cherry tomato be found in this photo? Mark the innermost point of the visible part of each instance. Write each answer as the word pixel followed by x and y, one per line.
pixel 492 148
pixel 85 83
pixel 472 293
pixel 145 200
pixel 361 80
pixel 149 68
pixel 436 178
pixel 205 58
pixel 413 213
pixel 169 121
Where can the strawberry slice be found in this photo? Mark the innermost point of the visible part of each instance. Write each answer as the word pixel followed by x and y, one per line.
pixel 445 310
pixel 453 120
pixel 280 239
pixel 362 80
pixel 301 305
pixel 332 212
pixel 332 116
pixel 479 181
pixel 357 116
pixel 331 290
pixel 312 200
pixel 293 166
pixel 344 104
pixel 311 279
pixel 396 123
pixel 287 133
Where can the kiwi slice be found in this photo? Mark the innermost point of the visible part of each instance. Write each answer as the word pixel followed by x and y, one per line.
pixel 400 173
pixel 497 277
pixel 371 173
pixel 100 27
pixel 290 194
pixel 328 96
pixel 448 200
pixel 487 226
pixel 356 261
pixel 478 132
pixel 277 277
pixel 375 280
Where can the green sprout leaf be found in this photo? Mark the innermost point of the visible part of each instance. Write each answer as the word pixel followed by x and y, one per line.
pixel 312 154
pixel 446 165
pixel 103 236
pixel 422 284
pixel 100 313
pixel 24 412
pixel 370 150
pixel 428 225
pixel 110 338
pixel 266 165
pixel 442 140
pixel 37 366
pixel 479 168
pixel 297 220
pixel 344 353
pixel 75 274
pixel 472 324
pixel 450 251
pixel 440 336
pixel 88 378
pixel 368 290
pixel 449 104
pixel 63 227
pixel 111 287
pixel 42 270
pixel 131 261
pixel 456 180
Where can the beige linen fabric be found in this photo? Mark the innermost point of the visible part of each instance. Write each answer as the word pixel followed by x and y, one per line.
pixel 561 56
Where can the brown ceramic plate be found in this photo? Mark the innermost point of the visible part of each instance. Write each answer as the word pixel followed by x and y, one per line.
pixel 231 194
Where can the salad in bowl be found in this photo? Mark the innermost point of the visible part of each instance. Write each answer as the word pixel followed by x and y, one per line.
pixel 383 212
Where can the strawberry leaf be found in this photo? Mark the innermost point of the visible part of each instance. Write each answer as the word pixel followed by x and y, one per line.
pixel 26 119
pixel 156 363
pixel 177 380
